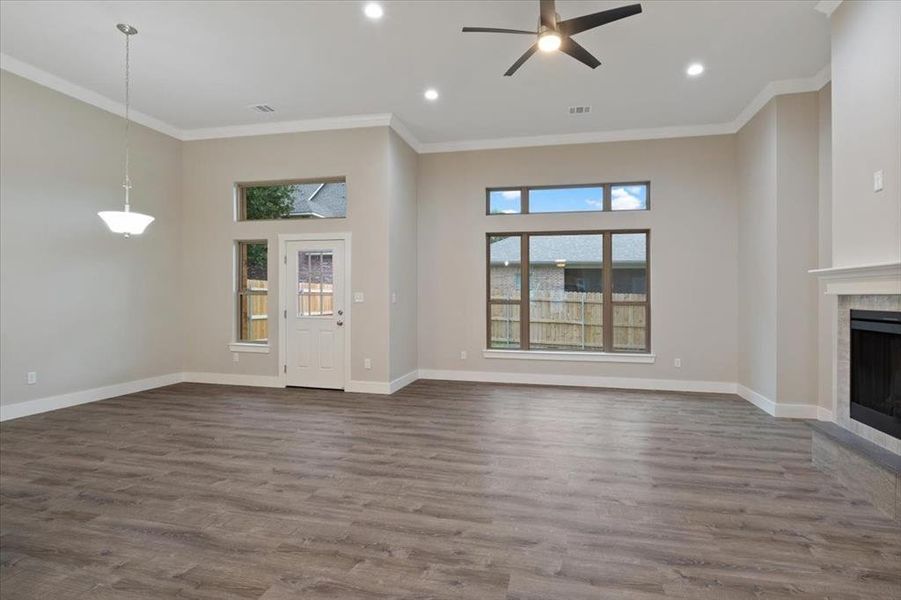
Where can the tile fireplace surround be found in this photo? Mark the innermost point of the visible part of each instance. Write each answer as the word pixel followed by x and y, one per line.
pixel 843 365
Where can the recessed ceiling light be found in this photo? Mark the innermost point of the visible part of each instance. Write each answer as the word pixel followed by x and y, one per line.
pixel 373 10
pixel 431 94
pixel 549 41
pixel 694 69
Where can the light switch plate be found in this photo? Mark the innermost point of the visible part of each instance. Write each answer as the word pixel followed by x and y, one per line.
pixel 878 181
pixel 358 297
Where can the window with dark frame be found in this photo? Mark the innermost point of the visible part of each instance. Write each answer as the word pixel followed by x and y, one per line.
pixel 252 292
pixel 599 197
pixel 308 199
pixel 582 291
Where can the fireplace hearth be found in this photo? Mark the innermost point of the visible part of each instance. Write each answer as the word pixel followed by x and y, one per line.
pixel 875 370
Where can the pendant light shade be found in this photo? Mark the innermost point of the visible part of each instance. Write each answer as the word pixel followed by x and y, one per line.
pixel 124 221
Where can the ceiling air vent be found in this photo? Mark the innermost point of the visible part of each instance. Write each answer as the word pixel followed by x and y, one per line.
pixel 579 110
pixel 262 108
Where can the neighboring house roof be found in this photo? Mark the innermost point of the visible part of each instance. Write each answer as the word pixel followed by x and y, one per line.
pixel 574 249
pixel 322 200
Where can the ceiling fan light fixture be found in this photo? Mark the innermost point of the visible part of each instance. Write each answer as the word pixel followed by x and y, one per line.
pixel 549 41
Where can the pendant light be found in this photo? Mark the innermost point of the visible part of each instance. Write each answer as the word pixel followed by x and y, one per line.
pixel 125 221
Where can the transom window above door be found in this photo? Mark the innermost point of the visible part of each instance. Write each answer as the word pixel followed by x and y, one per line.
pixel 600 197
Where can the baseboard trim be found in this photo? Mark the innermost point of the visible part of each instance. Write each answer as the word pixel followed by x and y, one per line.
pixel 357 386
pixel 783 411
pixel 757 399
pixel 786 411
pixel 269 381
pixel 631 383
pixel 403 381
pixel 50 403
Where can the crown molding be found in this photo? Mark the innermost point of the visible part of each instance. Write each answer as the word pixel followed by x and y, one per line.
pixel 401 129
pixel 771 90
pixel 41 77
pixel 827 7
pixel 275 127
pixel 593 137
pixel 779 88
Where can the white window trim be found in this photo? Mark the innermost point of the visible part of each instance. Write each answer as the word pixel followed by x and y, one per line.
pixel 616 357
pixel 252 347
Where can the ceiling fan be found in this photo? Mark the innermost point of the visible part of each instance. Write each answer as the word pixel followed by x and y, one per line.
pixel 554 34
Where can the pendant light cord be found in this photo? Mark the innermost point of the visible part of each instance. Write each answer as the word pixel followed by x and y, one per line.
pixel 127 184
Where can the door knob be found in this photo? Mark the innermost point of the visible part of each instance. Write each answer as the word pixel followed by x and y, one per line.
pixel 340 323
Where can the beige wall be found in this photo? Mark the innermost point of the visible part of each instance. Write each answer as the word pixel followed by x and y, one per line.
pixel 797 176
pixel 733 231
pixel 693 249
pixel 81 306
pixel 778 163
pixel 866 132
pixel 402 238
pixel 827 304
pixel 210 170
pixel 757 174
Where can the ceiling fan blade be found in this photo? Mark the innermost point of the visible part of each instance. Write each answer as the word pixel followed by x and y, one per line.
pixel 495 30
pixel 582 55
pixel 521 60
pixel 586 22
pixel 548 14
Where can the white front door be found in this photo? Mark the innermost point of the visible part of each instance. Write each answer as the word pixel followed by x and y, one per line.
pixel 315 314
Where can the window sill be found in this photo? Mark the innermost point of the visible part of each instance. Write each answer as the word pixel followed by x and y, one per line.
pixel 618 357
pixel 249 347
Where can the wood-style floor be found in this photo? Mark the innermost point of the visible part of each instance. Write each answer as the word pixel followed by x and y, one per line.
pixel 444 490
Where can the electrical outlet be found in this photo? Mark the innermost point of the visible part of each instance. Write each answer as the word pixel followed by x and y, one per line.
pixel 878 181
pixel 236 357
pixel 462 354
pixel 393 297
pixel 367 363
pixel 31 377
pixel 677 362
pixel 358 297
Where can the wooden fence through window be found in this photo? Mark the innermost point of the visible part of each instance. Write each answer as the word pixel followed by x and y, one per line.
pixel 572 321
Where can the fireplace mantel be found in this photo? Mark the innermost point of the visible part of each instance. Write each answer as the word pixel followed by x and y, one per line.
pixel 880 278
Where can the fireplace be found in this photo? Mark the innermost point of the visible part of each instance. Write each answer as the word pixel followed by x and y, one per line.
pixel 875 355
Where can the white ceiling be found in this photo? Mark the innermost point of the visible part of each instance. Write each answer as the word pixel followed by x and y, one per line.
pixel 200 64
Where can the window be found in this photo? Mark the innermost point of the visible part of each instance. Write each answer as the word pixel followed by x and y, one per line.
pixel 574 291
pixel 630 196
pixel 325 199
pixel 569 198
pixel 504 202
pixel 504 290
pixel 253 292
pixel 315 284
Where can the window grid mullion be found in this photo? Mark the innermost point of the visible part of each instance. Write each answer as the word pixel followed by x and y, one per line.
pixel 524 292
pixel 608 291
